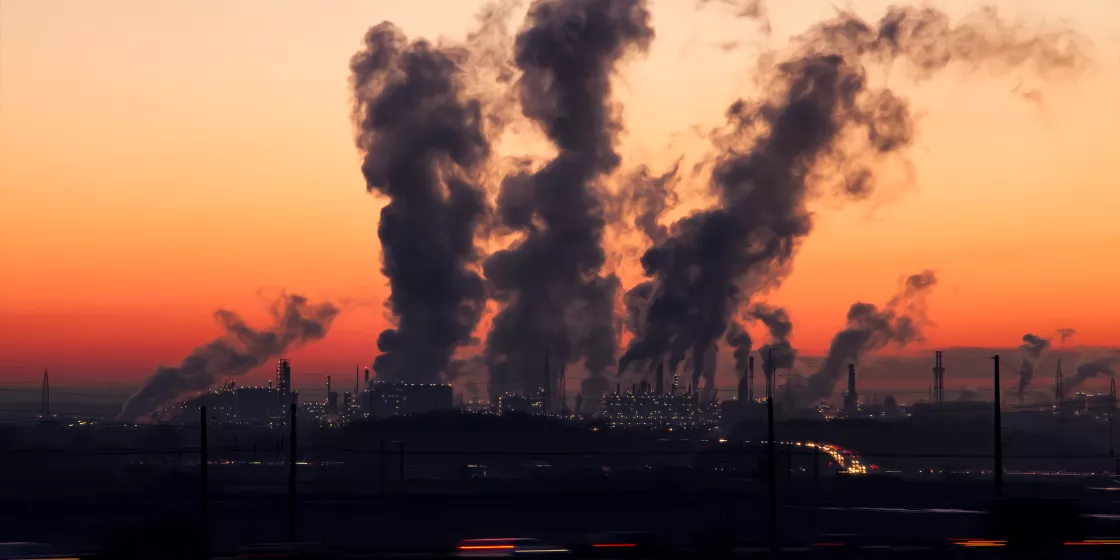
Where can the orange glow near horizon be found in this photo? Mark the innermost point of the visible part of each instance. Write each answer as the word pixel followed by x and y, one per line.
pixel 159 161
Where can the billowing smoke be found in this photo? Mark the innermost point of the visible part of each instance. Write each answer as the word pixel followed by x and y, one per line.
pixel 869 328
pixel 818 125
pixel 423 143
pixel 1090 370
pixel 1065 334
pixel 555 296
pixel 778 348
pixel 1031 348
pixel 740 342
pixel 648 196
pixel 240 350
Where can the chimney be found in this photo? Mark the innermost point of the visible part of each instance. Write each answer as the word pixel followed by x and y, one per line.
pixel 661 377
pixel 367 377
pixel 750 378
pixel 742 395
pixel 851 399
pixel 938 395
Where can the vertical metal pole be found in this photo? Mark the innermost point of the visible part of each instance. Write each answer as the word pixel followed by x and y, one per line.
pixel 204 471
pixel 773 474
pixel 403 489
pixel 381 467
pixel 292 474
pixel 998 438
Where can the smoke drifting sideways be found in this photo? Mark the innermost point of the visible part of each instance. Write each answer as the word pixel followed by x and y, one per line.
pixel 240 350
pixel 819 124
pixel 1032 348
pixel 899 322
pixel 1090 370
pixel 554 296
pixel 424 144
pixel 1066 334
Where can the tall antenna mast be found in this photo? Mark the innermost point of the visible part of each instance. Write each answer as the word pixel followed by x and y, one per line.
pixel 45 404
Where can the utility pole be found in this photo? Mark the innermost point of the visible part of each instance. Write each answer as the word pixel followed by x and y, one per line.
pixel 204 490
pixel 292 475
pixel 381 468
pixel 403 488
pixel 997 442
pixel 772 474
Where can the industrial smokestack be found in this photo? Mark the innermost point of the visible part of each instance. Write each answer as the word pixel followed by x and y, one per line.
pixel 774 151
pixel 851 398
pixel 869 328
pixel 661 377
pixel 238 351
pixel 750 378
pixel 938 392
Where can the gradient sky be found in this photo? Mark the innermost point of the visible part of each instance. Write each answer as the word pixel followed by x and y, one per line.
pixel 161 159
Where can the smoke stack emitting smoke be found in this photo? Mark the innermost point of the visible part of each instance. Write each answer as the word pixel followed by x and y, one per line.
pixel 1090 370
pixel 1032 348
pixel 423 143
pixel 818 128
pixel 780 327
pixel 818 118
pixel 869 328
pixel 554 293
pixel 240 350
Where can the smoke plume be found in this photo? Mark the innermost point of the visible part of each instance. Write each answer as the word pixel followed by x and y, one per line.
pixel 740 341
pixel 1065 334
pixel 240 350
pixel 778 348
pixel 648 197
pixel 1090 370
pixel 555 296
pixel 818 125
pixel 423 143
pixel 1032 348
pixel 870 328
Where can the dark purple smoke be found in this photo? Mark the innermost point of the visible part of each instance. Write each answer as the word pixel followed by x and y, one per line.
pixel 554 295
pixel 740 342
pixel 818 125
pixel 423 144
pixel 780 327
pixel 1090 370
pixel 1032 348
pixel 1065 334
pixel 238 351
pixel 869 328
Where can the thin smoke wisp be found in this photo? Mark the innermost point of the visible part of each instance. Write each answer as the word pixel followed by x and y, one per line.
pixel 238 351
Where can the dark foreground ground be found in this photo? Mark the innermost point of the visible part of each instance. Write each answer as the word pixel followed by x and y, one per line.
pixel 143 515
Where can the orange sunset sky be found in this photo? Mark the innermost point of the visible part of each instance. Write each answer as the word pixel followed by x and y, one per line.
pixel 159 160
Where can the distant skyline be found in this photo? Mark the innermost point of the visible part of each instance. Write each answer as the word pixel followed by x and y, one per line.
pixel 161 161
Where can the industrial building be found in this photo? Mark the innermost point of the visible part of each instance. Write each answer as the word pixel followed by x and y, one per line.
pixel 659 411
pixel 383 399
